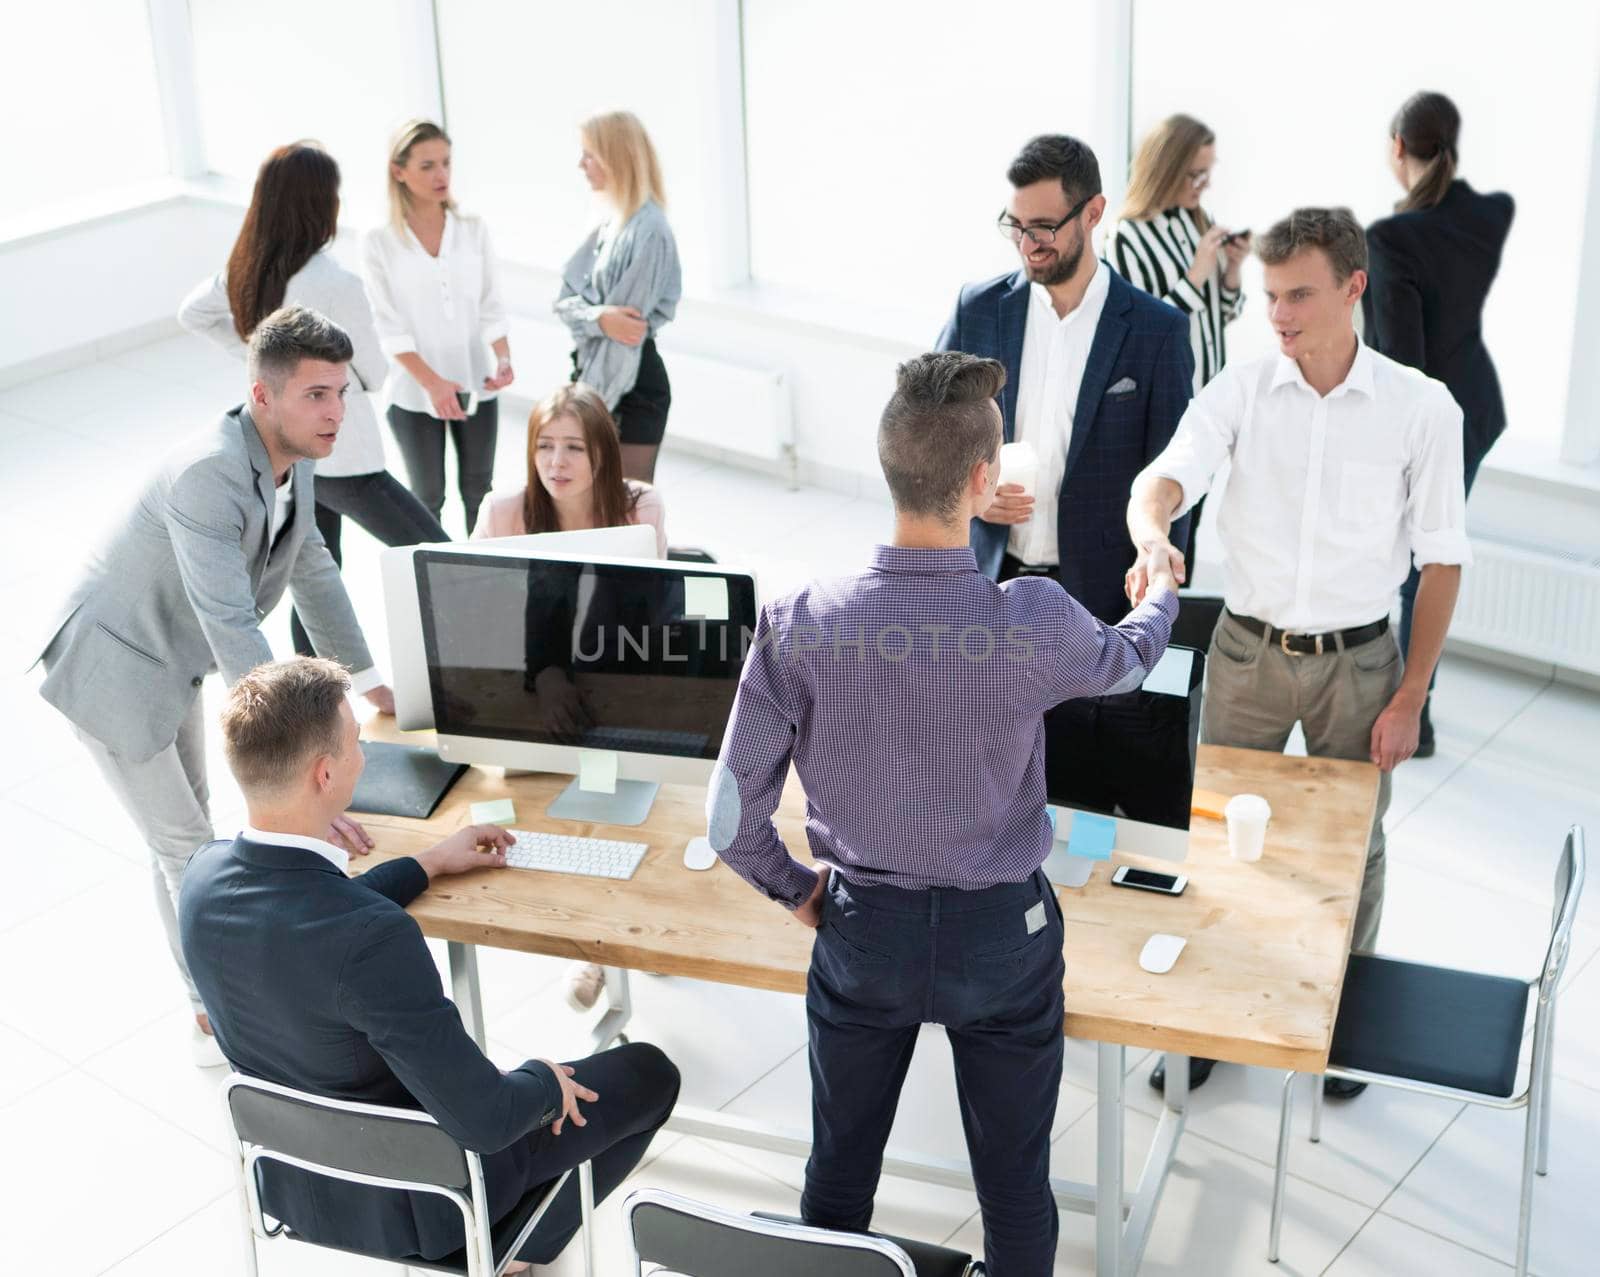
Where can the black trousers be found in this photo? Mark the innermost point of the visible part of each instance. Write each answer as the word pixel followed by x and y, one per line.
pixel 421 440
pixel 641 414
pixel 988 966
pixel 380 504
pixel 638 1087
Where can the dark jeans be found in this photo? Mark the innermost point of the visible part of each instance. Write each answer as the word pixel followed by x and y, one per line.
pixel 379 503
pixel 988 966
pixel 421 440
pixel 1408 591
pixel 638 1087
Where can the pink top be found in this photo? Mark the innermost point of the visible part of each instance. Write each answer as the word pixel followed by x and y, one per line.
pixel 500 515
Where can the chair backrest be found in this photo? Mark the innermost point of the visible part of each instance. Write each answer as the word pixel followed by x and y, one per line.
pixel 1570 871
pixel 686 1236
pixel 344 1138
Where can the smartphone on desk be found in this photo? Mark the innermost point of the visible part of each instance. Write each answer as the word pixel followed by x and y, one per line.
pixel 1149 880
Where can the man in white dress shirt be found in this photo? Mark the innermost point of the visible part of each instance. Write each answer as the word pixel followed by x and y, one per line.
pixel 1345 468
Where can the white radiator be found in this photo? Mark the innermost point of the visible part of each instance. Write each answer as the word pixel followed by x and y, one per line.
pixel 1534 601
pixel 720 409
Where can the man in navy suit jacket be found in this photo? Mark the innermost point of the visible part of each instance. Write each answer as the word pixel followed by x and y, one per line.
pixel 1097 375
pixel 322 982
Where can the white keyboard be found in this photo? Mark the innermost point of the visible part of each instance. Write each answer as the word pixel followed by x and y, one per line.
pixel 566 854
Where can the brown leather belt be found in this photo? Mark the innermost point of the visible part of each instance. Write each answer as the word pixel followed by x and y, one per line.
pixel 1314 644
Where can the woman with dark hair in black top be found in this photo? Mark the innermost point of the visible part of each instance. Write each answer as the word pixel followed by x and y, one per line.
pixel 1430 267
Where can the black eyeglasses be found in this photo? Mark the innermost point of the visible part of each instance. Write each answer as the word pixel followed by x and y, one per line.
pixel 1014 230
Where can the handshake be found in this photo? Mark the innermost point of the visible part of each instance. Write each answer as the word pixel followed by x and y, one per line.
pixel 1159 567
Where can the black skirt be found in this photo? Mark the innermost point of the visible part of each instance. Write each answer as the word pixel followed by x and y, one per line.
pixel 642 413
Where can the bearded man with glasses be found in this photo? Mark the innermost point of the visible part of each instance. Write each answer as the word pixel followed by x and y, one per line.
pixel 1097 375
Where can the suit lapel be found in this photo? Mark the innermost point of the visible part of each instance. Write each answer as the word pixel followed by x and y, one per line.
pixel 1013 331
pixel 1109 335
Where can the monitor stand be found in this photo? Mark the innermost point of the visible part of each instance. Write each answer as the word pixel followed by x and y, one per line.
pixel 630 805
pixel 1064 869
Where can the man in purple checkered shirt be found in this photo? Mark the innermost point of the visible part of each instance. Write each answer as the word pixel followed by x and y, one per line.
pixel 910 698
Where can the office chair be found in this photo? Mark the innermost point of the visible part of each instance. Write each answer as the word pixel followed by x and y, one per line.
pixel 1452 1034
pixel 388 1148
pixel 676 1234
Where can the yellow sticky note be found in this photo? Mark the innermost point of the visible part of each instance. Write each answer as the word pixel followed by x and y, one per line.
pixel 597 770
pixel 496 811
pixel 705 597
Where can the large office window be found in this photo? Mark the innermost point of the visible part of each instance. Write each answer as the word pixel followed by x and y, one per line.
pixel 518 80
pixel 78 89
pixel 1301 96
pixel 345 74
pixel 879 136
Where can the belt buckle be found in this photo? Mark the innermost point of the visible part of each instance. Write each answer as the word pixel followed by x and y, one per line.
pixel 1283 642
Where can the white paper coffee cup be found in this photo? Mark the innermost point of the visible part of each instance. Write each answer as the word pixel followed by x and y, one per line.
pixel 1248 816
pixel 1019 464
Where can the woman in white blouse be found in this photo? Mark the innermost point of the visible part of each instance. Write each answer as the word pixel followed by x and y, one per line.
pixel 431 275
pixel 281 258
pixel 1166 243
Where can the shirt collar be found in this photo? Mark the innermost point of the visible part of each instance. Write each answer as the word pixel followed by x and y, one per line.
pixel 1093 298
pixel 1359 378
pixel 335 856
pixel 901 558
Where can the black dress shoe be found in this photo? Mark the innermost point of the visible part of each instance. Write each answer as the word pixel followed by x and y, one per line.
pixel 1199 1070
pixel 1339 1088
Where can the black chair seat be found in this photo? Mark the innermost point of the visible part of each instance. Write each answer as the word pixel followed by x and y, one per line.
pixel 1430 1024
pixel 929 1260
pixel 503 1234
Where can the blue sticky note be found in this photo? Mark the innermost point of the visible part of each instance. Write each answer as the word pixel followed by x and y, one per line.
pixel 1092 836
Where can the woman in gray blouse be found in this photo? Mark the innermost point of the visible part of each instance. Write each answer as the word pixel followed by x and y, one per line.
pixel 622 285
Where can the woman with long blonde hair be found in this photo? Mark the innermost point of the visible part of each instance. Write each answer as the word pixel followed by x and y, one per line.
pixel 1166 243
pixel 622 286
pixel 431 275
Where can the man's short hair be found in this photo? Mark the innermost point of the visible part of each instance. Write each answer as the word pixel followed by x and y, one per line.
pixel 290 334
pixel 939 423
pixel 1334 230
pixel 1055 155
pixel 280 716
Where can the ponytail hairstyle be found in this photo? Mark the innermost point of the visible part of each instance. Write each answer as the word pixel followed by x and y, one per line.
pixel 293 214
pixel 1429 127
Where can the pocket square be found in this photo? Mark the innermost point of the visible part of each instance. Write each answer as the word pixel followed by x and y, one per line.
pixel 1124 387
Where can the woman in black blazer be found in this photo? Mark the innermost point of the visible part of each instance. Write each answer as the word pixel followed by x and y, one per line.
pixel 1430 266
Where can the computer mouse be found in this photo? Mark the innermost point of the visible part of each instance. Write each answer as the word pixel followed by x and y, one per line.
pixel 1160 952
pixel 698 854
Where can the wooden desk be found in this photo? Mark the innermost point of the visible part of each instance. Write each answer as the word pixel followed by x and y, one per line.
pixel 1259 982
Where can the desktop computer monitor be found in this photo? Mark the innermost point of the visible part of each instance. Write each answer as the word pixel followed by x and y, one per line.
pixel 408 663
pixel 1119 770
pixel 560 663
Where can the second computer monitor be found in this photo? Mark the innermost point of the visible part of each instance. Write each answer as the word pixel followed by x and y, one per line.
pixel 534 659
pixel 1119 770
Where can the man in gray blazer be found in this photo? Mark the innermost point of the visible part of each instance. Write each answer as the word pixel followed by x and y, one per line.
pixel 180 585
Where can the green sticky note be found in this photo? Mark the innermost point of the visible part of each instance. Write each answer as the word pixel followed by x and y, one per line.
pixel 597 770
pixel 497 811
pixel 1092 836
pixel 706 597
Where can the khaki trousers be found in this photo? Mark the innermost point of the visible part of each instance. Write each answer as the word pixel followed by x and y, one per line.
pixel 1256 692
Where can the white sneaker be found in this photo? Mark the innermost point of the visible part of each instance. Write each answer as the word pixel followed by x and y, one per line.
pixel 204 1051
pixel 584 982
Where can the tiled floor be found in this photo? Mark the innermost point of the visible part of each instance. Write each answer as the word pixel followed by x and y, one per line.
pixel 112 1142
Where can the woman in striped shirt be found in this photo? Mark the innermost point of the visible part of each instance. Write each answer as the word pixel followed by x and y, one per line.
pixel 1166 244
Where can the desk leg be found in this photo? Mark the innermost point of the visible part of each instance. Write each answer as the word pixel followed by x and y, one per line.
pixel 464 989
pixel 619 1010
pixel 1108 1156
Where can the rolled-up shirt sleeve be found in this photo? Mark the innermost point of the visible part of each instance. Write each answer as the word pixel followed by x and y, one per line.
pixel 747 784
pixel 1203 440
pixel 1436 495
